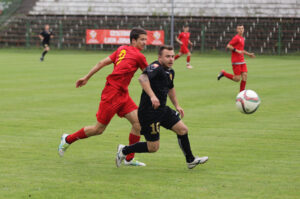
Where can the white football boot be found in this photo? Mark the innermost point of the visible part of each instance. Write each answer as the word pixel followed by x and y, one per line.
pixel 197 160
pixel 134 162
pixel 120 156
pixel 63 145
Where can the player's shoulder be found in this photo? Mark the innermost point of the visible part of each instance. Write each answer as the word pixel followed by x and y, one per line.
pixel 154 66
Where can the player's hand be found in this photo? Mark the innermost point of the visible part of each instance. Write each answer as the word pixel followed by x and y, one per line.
pixel 252 55
pixel 180 111
pixel 81 82
pixel 155 102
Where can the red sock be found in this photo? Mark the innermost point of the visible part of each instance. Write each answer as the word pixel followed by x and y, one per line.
pixel 176 57
pixel 228 75
pixel 188 59
pixel 76 136
pixel 132 140
pixel 243 85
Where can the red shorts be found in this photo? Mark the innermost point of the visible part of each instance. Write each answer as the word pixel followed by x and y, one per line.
pixel 114 101
pixel 238 69
pixel 184 49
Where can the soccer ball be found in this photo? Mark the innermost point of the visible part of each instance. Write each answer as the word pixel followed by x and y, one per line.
pixel 247 101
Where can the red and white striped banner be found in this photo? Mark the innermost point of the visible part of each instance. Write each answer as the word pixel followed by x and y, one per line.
pixel 119 37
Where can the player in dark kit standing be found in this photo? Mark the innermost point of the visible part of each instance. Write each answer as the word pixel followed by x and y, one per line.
pixel 157 82
pixel 46 35
pixel 115 98
pixel 239 67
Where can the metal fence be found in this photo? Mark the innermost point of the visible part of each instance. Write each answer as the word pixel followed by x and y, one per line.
pixel 263 35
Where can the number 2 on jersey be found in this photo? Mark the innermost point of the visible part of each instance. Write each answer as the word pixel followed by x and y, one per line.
pixel 121 56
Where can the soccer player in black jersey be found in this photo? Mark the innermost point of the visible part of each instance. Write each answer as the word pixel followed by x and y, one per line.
pixel 45 37
pixel 157 82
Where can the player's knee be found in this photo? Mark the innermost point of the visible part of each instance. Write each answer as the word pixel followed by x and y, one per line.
pixel 98 130
pixel 244 77
pixel 153 147
pixel 236 78
pixel 182 131
pixel 136 127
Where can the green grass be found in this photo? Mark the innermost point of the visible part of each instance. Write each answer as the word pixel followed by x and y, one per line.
pixel 251 156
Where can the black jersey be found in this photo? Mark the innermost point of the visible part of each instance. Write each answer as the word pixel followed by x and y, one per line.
pixel 161 81
pixel 47 36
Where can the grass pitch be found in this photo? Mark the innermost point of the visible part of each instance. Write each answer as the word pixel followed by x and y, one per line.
pixel 251 156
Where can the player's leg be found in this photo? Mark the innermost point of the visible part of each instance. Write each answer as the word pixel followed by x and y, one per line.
pixel 236 76
pixel 83 133
pixel 134 137
pixel 178 55
pixel 151 133
pixel 104 115
pixel 182 135
pixel 46 49
pixel 244 71
pixel 243 82
pixel 188 60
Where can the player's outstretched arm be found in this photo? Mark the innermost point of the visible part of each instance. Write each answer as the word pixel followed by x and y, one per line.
pixel 145 83
pixel 41 37
pixel 173 98
pixel 82 81
pixel 252 55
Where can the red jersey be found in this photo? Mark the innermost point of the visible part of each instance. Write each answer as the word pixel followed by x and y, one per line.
pixel 184 37
pixel 238 42
pixel 126 59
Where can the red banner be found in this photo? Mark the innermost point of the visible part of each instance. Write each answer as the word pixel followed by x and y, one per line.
pixel 119 37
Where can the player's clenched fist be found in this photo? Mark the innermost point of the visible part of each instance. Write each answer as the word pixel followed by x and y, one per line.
pixel 81 82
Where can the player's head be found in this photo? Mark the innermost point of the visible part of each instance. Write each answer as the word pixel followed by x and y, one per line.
pixel 47 27
pixel 166 56
pixel 240 29
pixel 138 38
pixel 186 28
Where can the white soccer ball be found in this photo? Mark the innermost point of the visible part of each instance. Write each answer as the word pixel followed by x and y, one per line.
pixel 247 101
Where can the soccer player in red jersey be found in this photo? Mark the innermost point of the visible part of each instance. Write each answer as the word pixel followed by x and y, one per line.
pixel 184 40
pixel 115 98
pixel 239 67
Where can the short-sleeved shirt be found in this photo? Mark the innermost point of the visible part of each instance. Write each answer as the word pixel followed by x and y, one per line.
pixel 161 81
pixel 126 59
pixel 238 42
pixel 47 36
pixel 184 37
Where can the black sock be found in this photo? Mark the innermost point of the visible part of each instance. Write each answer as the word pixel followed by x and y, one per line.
pixel 44 53
pixel 184 144
pixel 139 147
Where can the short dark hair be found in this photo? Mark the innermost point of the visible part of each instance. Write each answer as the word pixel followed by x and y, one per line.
pixel 186 26
pixel 239 24
pixel 136 32
pixel 164 47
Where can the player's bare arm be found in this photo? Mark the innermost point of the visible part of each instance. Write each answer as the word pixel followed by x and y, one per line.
pixel 41 37
pixel 190 43
pixel 145 83
pixel 230 47
pixel 82 81
pixel 173 98
pixel 178 41
pixel 252 55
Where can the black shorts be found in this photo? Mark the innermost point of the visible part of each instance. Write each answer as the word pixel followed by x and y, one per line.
pixel 45 44
pixel 152 120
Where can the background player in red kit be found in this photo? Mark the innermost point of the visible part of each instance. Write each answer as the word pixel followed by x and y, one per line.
pixel 115 98
pixel 184 40
pixel 239 67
